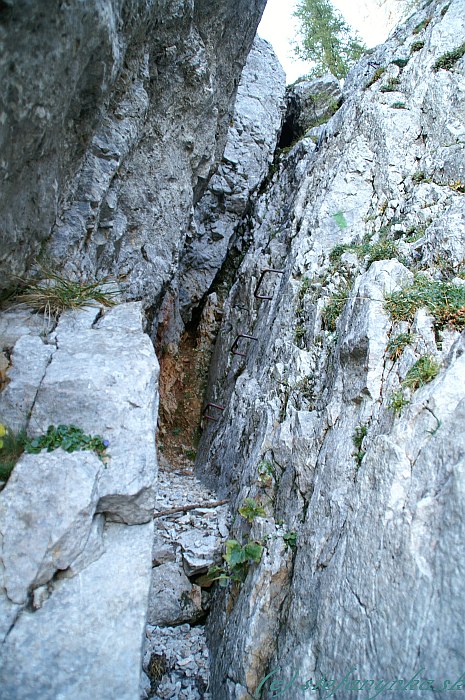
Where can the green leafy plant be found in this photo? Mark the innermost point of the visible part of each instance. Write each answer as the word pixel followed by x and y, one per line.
pixel 70 438
pixel 417 46
pixel 304 287
pixel 398 401
pixel 250 510
pixel 357 438
pixel 53 293
pixel 375 77
pixel 444 300
pixel 238 558
pixel 391 85
pixel 397 345
pixel 290 539
pixel 266 472
pixel 449 59
pixel 423 371
pixel 11 449
pixel 326 39
pixel 398 105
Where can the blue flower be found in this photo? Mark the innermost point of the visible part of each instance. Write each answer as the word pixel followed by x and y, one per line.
pixel 105 443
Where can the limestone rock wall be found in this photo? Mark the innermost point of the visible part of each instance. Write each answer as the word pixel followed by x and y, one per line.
pixel 70 565
pixel 113 115
pixel 372 491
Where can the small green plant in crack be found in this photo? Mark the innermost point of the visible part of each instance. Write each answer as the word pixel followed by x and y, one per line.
pixel 419 176
pixel 392 85
pixel 290 539
pixel 357 438
pixel 400 62
pixel 444 10
pixel 334 309
pixel 398 401
pixel 299 333
pixel 266 472
pixel 306 388
pixel 304 287
pixel 457 186
pixel 238 558
pixel 397 345
pixel 449 59
pixel 419 28
pixel 415 233
pixel 398 105
pixel 157 667
pixel 11 448
pixel 425 369
pixel 338 251
pixel 250 510
pixel 70 438
pixel 417 46
pixel 376 76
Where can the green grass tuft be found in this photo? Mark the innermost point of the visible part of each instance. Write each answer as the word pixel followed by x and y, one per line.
pixel 53 293
pixel 376 76
pixel 423 371
pixel 398 402
pixel 449 59
pixel 444 300
pixel 392 85
pixel 397 345
pixel 417 46
pixel 357 438
pixel 11 449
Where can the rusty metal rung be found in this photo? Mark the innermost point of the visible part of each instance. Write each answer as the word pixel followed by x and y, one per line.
pixel 213 405
pixel 242 335
pixel 265 272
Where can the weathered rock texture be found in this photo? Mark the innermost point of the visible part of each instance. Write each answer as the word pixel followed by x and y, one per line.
pixel 66 572
pixel 113 115
pixel 374 584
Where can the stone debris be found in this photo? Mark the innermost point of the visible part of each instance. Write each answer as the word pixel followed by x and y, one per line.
pixel 176 658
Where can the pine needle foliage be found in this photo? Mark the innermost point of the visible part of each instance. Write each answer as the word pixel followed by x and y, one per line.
pixel 326 39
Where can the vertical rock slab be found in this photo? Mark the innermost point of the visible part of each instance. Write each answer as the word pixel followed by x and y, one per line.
pixel 86 639
pixel 103 378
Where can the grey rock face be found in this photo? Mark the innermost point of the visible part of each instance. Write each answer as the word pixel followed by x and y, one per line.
pixel 85 641
pixel 43 530
pixel 105 380
pixel 310 103
pixel 375 497
pixel 249 150
pixel 66 573
pixel 114 117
